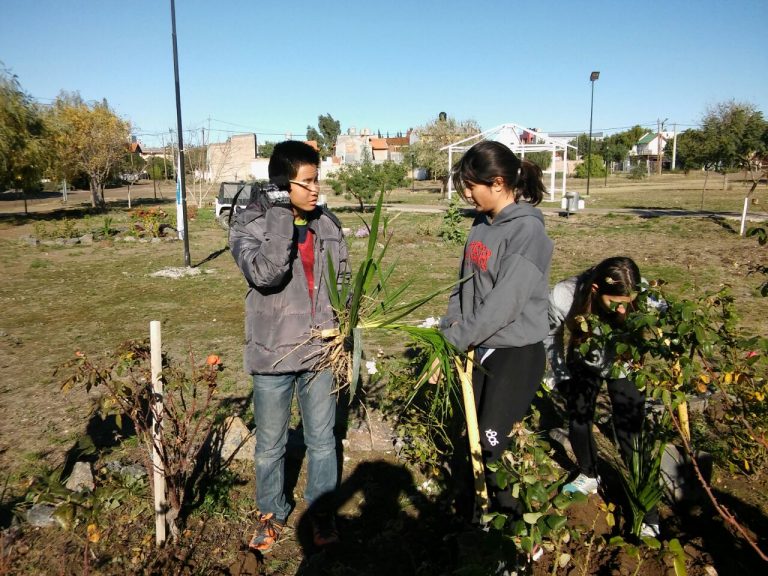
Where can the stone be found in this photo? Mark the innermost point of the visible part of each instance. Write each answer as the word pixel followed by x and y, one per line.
pixel 81 478
pixel 236 434
pixel 30 240
pixel 133 471
pixel 374 434
pixel 41 515
pixel 677 476
pixel 86 239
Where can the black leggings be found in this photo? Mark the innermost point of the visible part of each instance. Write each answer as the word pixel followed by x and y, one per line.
pixel 627 409
pixel 504 389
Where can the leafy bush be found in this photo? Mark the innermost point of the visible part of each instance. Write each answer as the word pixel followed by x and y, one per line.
pixel 150 222
pixel 638 172
pixel 188 415
pixel 527 468
pixel 596 165
pixel 452 229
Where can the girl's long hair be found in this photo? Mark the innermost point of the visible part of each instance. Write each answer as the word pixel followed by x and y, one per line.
pixel 488 159
pixel 615 276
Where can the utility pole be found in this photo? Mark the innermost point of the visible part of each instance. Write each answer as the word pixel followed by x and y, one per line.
pixel 592 77
pixel 181 191
pixel 659 155
pixel 674 147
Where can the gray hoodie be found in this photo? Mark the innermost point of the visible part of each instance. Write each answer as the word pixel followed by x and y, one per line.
pixel 504 303
pixel 281 323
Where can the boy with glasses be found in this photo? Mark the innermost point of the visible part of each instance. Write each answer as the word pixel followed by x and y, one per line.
pixel 281 243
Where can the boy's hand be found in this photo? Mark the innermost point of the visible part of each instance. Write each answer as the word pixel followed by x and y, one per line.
pixel 278 197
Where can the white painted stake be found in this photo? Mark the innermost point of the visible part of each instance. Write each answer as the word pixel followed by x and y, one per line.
pixel 155 342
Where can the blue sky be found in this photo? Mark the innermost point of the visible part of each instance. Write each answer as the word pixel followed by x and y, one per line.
pixel 272 67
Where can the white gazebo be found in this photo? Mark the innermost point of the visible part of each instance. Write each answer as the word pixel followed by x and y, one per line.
pixel 512 136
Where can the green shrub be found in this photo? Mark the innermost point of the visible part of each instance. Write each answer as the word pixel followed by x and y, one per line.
pixel 638 172
pixel 452 230
pixel 596 164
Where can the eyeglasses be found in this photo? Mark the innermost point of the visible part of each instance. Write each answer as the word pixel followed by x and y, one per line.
pixel 307 185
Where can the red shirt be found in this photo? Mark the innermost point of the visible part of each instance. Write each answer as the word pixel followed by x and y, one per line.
pixel 306 243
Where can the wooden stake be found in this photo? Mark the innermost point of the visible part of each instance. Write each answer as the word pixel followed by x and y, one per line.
pixel 473 432
pixel 156 360
pixel 682 414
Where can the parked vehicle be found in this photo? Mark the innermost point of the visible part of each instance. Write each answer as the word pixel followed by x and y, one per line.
pixel 227 193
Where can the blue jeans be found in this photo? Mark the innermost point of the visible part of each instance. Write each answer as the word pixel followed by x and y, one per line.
pixel 272 395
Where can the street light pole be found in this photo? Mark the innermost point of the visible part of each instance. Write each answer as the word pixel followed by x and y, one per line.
pixel 181 195
pixel 592 77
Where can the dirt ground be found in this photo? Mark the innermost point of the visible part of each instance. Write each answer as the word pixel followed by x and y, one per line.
pixel 389 520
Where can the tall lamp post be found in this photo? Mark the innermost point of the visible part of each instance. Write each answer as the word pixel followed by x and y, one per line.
pixel 592 77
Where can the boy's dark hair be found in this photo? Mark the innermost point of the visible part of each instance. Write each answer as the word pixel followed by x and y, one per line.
pixel 287 157
pixel 489 159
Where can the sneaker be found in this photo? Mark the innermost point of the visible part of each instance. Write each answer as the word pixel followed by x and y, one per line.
pixel 649 530
pixel 537 553
pixel 267 533
pixel 324 532
pixel 582 483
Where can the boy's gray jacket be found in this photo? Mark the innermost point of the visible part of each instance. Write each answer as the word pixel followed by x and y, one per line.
pixel 504 303
pixel 281 330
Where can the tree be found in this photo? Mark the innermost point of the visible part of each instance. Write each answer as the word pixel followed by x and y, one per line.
pixel 735 135
pixel 91 138
pixel 22 131
pixel 597 169
pixel 426 153
pixel 329 129
pixel 541 159
pixel 266 149
pixel 366 179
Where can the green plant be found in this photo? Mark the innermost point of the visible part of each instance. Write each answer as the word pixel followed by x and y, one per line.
pixel 638 172
pixel 106 227
pixel 452 229
pixel 528 470
pixel 150 221
pixel 640 478
pixel 594 163
pixel 366 302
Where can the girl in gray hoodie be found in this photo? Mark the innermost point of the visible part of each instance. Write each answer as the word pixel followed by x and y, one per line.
pixel 501 310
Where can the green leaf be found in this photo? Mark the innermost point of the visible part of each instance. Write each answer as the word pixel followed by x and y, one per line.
pixel 531 517
pixel 555 521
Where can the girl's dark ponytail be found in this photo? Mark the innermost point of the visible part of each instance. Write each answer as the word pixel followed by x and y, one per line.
pixel 529 186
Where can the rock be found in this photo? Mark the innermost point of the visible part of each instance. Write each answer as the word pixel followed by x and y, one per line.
pixel 133 471
pixel 129 238
pixel 41 515
pixel 71 241
pixel 81 478
pixel 677 475
pixel 30 240
pixel 155 241
pixel 176 272
pixel 86 239
pixel 378 437
pixel 236 434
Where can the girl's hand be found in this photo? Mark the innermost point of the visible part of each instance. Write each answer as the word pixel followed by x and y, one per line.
pixel 435 372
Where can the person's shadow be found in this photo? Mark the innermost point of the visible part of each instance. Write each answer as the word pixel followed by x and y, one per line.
pixel 392 528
